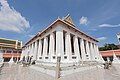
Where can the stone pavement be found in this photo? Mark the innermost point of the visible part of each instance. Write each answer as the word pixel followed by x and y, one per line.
pixel 17 72
pixel 113 73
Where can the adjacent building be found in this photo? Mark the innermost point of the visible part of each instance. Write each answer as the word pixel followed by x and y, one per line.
pixel 109 54
pixel 10 48
pixel 64 40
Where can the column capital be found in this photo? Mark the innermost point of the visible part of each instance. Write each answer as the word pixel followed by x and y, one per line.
pixel 52 33
pixel 67 33
pixel 81 39
pixel 75 36
pixel 45 37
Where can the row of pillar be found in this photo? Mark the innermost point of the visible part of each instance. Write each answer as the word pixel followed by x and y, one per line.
pixel 83 51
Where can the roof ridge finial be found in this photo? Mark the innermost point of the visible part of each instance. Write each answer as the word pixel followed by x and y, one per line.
pixel 68 19
pixel 58 17
pixel 67 15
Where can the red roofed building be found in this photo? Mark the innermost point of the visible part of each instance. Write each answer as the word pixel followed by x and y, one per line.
pixel 109 53
pixel 10 48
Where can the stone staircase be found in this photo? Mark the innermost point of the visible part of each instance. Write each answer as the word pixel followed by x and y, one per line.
pixel 66 68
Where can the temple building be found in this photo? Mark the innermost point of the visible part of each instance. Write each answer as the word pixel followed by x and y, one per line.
pixel 10 48
pixel 62 39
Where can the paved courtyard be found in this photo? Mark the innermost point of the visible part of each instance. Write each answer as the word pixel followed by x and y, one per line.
pixel 17 72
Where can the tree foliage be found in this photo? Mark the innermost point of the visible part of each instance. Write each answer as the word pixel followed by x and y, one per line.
pixel 108 47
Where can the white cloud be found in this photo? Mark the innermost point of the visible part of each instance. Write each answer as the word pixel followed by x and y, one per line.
pixel 10 19
pixel 109 25
pixel 102 38
pixel 84 20
pixel 93 29
pixel 31 36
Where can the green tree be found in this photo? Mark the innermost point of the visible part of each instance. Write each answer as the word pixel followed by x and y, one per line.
pixel 108 47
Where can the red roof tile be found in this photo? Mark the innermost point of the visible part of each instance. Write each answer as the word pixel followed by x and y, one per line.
pixel 110 53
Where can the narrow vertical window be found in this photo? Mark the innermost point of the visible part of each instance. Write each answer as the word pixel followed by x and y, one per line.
pixel 64 34
pixel 79 47
pixel 72 43
pixel 48 40
pixel 85 46
pixel 55 41
pixel 37 46
pixel 42 41
pixel 34 47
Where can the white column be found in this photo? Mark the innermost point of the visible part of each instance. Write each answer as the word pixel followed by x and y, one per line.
pixel 99 55
pixel 23 53
pixel 28 50
pixel 95 57
pixel 59 44
pixel 16 45
pixel 35 51
pixel 32 49
pixel 39 49
pixel 68 46
pixel 92 52
pixel 51 46
pixel 88 50
pixel 76 48
pixel 97 49
pixel 83 54
pixel 45 46
pixel 96 52
pixel 21 44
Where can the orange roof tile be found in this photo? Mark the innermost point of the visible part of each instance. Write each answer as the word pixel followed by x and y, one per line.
pixel 110 53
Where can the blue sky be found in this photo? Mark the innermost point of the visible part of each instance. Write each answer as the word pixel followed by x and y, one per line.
pixel 21 19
